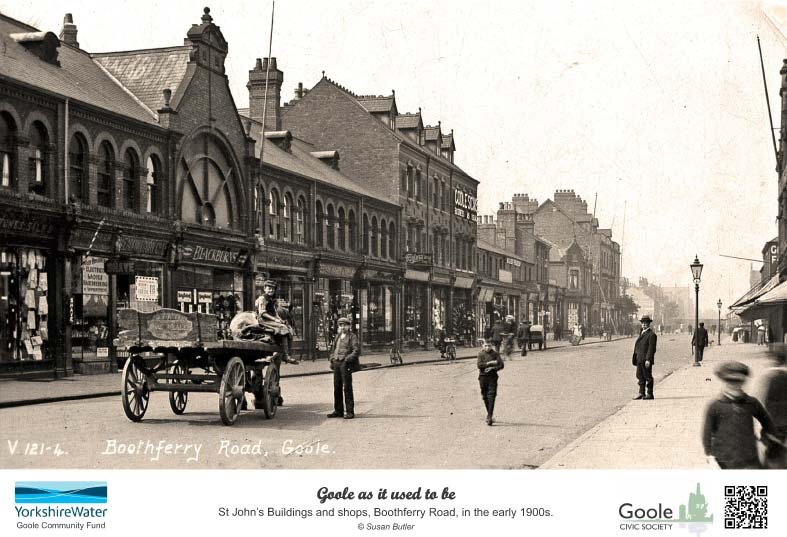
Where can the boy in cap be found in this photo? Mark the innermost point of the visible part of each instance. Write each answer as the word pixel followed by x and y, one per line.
pixel 644 357
pixel 728 432
pixel 489 363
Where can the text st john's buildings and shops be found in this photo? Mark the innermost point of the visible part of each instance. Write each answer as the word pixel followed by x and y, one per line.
pixel 132 179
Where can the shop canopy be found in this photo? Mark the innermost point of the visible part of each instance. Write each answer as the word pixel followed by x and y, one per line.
pixel 777 295
pixel 770 296
pixel 755 292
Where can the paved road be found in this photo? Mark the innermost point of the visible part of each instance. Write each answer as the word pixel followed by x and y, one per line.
pixel 428 416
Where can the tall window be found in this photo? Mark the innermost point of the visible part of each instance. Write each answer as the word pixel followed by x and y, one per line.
pixel 404 180
pixel 443 196
pixel 152 183
pixel 106 171
pixel 130 181
pixel 38 163
pixel 409 181
pixel 365 233
pixel 352 229
pixel 417 185
pixel 7 142
pixel 331 228
pixel 300 210
pixel 375 237
pixel 342 230
pixel 392 240
pixel 435 193
pixel 383 239
pixel 273 214
pixel 259 209
pixel 418 240
pixel 286 226
pixel 318 224
pixel 77 168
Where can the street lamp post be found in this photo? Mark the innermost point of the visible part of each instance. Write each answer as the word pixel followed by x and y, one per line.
pixel 696 272
pixel 719 326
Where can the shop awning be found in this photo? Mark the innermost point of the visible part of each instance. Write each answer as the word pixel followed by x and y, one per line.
pixel 418 275
pixel 777 295
pixel 486 294
pixel 755 292
pixel 463 283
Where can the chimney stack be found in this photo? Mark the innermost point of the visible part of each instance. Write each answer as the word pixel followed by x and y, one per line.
pixel 257 99
pixel 68 34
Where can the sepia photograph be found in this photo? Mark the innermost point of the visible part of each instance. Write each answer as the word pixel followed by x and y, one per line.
pixel 374 235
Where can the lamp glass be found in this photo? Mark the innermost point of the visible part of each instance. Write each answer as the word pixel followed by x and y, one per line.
pixel 696 270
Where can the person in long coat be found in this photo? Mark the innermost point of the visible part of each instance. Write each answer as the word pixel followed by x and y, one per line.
pixel 644 357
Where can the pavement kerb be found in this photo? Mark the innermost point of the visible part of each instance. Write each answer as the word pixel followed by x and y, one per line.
pixel 115 393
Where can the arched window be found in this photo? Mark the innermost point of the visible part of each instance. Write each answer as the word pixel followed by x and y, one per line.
pixel 375 237
pixel 383 239
pixel 7 151
pixel 300 210
pixel 352 230
pixel 342 233
pixel 77 168
pixel 130 181
pixel 273 214
pixel 318 224
pixel 152 182
pixel 38 177
pixel 286 209
pixel 365 234
pixel 106 171
pixel 392 240
pixel 331 228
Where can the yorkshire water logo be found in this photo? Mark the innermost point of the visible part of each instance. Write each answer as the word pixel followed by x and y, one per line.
pixel 60 492
pixel 693 515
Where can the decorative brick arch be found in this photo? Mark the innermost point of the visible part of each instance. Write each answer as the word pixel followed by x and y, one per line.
pixel 34 116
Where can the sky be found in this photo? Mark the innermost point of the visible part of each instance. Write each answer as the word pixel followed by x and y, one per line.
pixel 653 112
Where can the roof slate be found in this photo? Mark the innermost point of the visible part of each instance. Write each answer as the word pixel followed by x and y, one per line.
pixel 376 103
pixel 78 76
pixel 408 121
pixel 147 72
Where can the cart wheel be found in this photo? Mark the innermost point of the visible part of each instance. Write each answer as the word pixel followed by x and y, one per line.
pixel 178 400
pixel 134 389
pixel 271 391
pixel 231 390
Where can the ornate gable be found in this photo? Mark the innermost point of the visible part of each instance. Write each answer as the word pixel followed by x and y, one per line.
pixel 208 46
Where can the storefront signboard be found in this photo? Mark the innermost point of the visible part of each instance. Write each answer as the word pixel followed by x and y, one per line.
pixel 26 223
pixel 117 266
pixel 441 280
pixel 514 262
pixel 95 281
pixel 337 271
pixel 102 352
pixel 184 297
pixel 204 297
pixel 418 259
pixel 200 253
pixel 147 288
pixel 142 246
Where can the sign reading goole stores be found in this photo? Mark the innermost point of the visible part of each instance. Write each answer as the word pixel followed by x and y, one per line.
pixel 465 204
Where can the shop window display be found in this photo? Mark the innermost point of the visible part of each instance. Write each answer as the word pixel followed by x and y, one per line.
pixel 334 298
pixel 377 304
pixel 24 306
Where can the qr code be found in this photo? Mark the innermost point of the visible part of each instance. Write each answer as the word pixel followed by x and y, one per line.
pixel 745 507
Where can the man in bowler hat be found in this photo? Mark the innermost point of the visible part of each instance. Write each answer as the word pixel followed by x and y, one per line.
pixel 344 361
pixel 643 358
pixel 699 341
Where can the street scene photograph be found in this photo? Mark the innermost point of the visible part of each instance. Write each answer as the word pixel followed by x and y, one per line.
pixel 393 235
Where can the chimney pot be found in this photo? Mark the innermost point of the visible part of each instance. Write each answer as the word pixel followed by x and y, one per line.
pixel 258 65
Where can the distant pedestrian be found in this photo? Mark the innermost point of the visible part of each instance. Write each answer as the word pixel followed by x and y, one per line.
pixel 497 334
pixel 489 363
pixel 761 334
pixel 644 358
pixel 699 341
pixel 774 398
pixel 728 432
pixel 523 336
pixel 344 361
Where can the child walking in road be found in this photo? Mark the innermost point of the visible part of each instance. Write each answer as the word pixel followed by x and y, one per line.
pixel 728 433
pixel 489 363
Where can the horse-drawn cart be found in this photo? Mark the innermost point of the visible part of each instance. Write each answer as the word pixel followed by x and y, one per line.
pixel 165 348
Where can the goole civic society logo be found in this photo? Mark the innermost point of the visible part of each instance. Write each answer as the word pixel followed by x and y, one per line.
pixel 657 517
pixel 60 504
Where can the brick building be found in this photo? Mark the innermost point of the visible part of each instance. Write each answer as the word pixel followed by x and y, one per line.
pixel 412 165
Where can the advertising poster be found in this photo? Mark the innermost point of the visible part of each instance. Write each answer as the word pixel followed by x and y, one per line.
pixel 519 268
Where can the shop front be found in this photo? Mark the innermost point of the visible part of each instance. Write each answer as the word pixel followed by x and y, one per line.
pixel 441 296
pixel 30 329
pixel 463 312
pixel 416 308
pixel 335 296
pixel 212 278
pixel 379 303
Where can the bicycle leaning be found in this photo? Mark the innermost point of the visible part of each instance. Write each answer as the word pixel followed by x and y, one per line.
pixel 395 355
pixel 448 352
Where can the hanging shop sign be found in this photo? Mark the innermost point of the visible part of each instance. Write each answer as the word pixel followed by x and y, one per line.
pixel 200 253
pixel 418 259
pixel 146 288
pixel 95 281
pixel 465 204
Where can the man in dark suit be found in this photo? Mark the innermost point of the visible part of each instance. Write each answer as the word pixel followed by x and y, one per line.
pixel 643 358
pixel 699 341
pixel 344 362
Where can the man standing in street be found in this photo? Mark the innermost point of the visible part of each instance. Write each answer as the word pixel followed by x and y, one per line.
pixel 344 362
pixel 643 358
pixel 496 334
pixel 523 335
pixel 699 341
pixel 489 363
